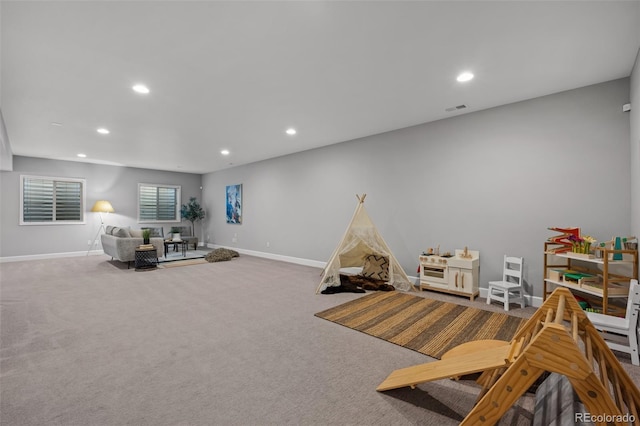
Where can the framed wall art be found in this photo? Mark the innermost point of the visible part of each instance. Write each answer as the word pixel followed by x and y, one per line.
pixel 234 204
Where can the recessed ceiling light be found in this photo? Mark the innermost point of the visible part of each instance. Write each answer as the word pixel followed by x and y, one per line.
pixel 141 88
pixel 55 123
pixel 291 131
pixel 224 152
pixel 465 76
pixel 82 155
pixel 103 131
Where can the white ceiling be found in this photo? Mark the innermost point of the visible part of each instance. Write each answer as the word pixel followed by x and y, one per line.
pixel 236 75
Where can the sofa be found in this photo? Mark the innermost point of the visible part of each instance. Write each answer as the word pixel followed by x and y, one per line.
pixel 121 243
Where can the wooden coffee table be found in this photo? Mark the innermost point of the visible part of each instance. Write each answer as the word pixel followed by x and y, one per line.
pixel 175 244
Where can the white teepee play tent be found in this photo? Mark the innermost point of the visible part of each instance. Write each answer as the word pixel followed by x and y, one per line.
pixel 361 240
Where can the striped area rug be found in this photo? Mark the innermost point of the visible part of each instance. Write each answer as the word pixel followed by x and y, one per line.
pixel 186 262
pixel 428 326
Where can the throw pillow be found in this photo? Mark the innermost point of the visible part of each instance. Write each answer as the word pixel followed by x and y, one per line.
pixel 156 232
pixel 376 267
pixel 136 233
pixel 109 230
pixel 121 232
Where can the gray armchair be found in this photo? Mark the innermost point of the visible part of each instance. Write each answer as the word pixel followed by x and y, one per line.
pixel 186 235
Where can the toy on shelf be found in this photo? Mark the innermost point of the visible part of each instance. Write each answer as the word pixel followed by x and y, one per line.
pixel 570 241
pixel 619 243
pixel 630 243
pixel 564 239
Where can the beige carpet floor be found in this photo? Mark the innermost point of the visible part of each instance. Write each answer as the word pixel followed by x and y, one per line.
pixel 86 341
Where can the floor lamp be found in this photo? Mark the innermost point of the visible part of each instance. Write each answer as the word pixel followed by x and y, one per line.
pixel 100 206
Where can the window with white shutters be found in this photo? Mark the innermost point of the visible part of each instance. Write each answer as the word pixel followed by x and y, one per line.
pixel 49 200
pixel 158 203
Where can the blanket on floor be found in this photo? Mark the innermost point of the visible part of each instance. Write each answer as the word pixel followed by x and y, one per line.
pixel 358 284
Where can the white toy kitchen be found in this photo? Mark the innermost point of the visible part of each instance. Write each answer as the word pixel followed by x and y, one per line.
pixel 451 273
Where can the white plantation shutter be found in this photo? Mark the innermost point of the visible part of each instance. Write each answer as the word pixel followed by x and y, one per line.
pixel 158 203
pixel 68 196
pixel 48 200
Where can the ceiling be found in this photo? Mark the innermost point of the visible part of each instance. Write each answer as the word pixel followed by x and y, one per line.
pixel 236 75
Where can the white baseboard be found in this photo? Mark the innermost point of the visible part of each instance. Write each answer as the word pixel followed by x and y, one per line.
pixel 535 301
pixel 289 259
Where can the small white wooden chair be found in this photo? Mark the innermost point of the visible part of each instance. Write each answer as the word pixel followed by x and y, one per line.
pixel 621 334
pixel 509 289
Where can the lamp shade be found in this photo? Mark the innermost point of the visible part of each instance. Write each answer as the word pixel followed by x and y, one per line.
pixel 102 206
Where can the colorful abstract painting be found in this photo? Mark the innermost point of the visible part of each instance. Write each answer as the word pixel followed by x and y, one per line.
pixel 234 204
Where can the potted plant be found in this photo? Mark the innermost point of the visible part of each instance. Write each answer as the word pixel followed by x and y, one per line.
pixel 192 212
pixel 146 234
pixel 175 234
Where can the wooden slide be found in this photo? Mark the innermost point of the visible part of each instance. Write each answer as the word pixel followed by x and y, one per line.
pixel 558 338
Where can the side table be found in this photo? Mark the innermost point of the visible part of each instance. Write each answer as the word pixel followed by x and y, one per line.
pixel 146 258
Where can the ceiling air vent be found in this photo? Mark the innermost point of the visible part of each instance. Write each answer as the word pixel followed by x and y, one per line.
pixel 456 108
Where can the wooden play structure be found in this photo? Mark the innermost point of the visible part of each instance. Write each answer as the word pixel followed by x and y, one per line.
pixel 558 338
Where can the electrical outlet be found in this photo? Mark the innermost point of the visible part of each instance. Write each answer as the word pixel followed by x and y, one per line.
pixel 95 243
pixel 88 242
pixel 268 244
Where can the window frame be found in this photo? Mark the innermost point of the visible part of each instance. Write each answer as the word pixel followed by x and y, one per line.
pixel 177 188
pixel 54 179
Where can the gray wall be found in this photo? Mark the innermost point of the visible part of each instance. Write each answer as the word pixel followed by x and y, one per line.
pixel 635 147
pixel 119 185
pixel 6 156
pixel 492 180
